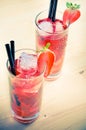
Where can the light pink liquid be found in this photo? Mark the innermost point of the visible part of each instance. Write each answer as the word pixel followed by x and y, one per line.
pixel 57 39
pixel 26 93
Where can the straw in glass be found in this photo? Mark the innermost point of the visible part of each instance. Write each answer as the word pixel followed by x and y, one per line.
pixel 12 45
pixel 52 9
pixel 10 57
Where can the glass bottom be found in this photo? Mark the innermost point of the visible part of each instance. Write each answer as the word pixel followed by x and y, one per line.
pixel 53 77
pixel 26 120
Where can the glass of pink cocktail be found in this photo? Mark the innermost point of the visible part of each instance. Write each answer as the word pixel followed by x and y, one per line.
pixel 52 28
pixel 26 86
pixel 56 34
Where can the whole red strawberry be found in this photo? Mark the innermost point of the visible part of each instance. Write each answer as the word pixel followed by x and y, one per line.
pixel 71 14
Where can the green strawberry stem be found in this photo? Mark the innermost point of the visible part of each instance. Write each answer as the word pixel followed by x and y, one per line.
pixel 72 6
pixel 45 47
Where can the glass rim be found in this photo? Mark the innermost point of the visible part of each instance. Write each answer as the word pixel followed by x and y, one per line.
pixel 36 23
pixel 32 77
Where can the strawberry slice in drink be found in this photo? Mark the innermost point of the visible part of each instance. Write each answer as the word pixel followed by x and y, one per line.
pixel 46 60
pixel 71 14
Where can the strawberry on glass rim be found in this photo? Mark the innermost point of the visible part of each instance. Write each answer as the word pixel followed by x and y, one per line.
pixel 71 14
pixel 46 60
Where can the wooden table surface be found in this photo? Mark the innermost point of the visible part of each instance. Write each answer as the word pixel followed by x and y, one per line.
pixel 64 100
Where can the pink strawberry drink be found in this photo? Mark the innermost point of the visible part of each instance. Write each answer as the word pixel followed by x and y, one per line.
pixel 26 87
pixel 56 34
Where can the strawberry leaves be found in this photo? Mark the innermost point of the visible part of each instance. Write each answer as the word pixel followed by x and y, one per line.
pixel 72 6
pixel 71 14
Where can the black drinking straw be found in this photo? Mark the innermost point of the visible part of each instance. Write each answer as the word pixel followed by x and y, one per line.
pixel 52 10
pixel 10 57
pixel 12 45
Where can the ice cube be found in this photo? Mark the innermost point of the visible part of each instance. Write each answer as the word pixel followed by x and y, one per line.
pixel 59 26
pixel 28 61
pixel 46 26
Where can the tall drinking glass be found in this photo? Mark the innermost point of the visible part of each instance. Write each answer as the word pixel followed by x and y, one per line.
pixel 25 89
pixel 56 34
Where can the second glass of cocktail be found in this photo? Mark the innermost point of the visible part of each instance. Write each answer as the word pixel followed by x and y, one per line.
pixel 56 34
pixel 26 86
